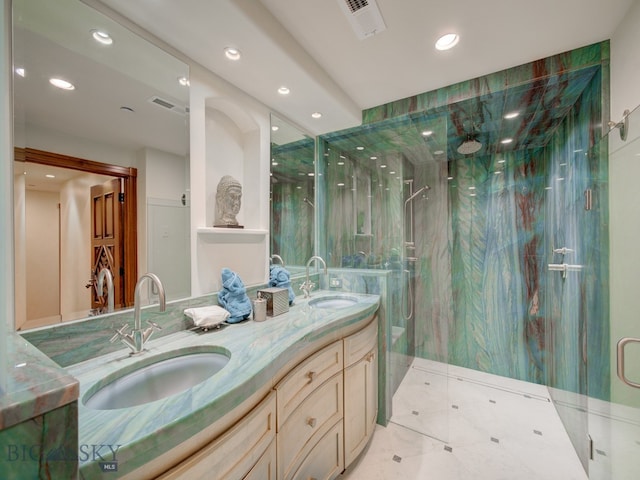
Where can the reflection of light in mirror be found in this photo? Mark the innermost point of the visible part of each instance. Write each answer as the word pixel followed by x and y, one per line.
pixel 472 188
pixel 392 172
pixel 506 140
pixel 60 83
pixel 20 71
pixel 449 178
pixel 511 115
pixel 373 158
pixel 341 184
pixel 427 133
pixel 383 166
pixel 359 148
pixel 340 163
pixel 438 152
pixel 501 160
pixel 311 174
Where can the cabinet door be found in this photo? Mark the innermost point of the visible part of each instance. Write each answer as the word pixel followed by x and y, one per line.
pixel 235 452
pixel 326 460
pixel 360 405
pixel 265 468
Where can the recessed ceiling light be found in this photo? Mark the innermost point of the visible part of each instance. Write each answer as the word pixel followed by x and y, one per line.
pixel 316 115
pixel 506 140
pixel 447 41
pixel 232 53
pixel 63 84
pixel 284 91
pixel 19 71
pixel 48 175
pixel 275 128
pixel 427 133
pixel 102 37
pixel 184 81
pixel 511 115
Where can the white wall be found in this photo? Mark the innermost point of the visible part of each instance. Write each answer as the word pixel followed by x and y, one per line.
pixel 625 64
pixel 6 187
pixel 230 134
pixel 42 245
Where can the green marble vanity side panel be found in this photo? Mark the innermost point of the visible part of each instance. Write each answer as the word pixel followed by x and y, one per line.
pixel 579 58
pixel 30 383
pixel 43 447
pixel 74 342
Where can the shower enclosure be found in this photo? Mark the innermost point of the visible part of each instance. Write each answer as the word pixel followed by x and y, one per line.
pixel 508 259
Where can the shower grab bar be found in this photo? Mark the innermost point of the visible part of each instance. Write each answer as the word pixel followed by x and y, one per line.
pixel 564 268
pixel 620 357
pixel 563 250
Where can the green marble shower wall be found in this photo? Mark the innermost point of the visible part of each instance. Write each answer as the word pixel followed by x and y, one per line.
pixel 485 230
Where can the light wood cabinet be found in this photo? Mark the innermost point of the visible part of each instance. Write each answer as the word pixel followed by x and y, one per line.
pixel 233 454
pixel 360 390
pixel 312 425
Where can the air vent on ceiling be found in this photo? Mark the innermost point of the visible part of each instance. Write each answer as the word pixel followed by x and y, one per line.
pixel 168 105
pixel 364 16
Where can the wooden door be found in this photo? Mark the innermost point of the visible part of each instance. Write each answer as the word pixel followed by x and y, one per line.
pixel 107 241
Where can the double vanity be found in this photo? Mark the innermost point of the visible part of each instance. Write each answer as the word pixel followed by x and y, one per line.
pixel 294 396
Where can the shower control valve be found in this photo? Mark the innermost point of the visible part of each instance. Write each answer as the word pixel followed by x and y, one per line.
pixel 563 250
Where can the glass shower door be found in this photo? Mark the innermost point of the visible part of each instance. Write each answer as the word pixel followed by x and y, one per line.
pixel 614 423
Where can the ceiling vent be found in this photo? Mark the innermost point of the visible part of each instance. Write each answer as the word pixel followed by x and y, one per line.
pixel 168 105
pixel 364 16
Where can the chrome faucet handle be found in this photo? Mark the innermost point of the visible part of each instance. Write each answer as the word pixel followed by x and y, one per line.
pixel 121 332
pixel 153 325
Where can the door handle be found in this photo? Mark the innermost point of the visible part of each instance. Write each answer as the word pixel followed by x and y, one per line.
pixel 620 358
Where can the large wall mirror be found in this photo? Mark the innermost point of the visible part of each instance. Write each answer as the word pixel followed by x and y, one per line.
pixel 292 194
pixel 117 133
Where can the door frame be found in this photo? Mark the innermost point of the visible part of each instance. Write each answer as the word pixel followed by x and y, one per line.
pixel 130 214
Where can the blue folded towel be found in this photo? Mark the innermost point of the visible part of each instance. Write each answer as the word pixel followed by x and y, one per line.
pixel 281 278
pixel 233 297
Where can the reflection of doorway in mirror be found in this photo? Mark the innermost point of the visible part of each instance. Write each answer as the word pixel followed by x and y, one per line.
pixel 107 246
pixel 59 285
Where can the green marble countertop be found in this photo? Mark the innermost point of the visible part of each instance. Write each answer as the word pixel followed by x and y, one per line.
pixel 31 384
pixel 260 355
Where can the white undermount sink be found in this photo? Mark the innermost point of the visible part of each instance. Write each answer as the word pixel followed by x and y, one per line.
pixel 153 381
pixel 333 301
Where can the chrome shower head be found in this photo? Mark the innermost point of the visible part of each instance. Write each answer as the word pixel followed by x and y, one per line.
pixel 469 146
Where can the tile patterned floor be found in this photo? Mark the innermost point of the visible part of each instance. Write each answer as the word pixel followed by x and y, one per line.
pixel 477 426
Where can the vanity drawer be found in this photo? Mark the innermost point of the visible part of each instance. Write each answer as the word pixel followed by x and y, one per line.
pixel 308 423
pixel 359 344
pixel 326 461
pixel 265 468
pixel 234 453
pixel 306 377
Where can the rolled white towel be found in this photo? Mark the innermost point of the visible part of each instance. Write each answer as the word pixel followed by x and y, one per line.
pixel 207 317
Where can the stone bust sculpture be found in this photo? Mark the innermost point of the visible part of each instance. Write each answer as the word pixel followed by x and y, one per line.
pixel 228 201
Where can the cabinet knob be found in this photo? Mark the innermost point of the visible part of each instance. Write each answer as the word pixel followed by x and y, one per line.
pixel 312 375
pixel 311 422
pixel 370 356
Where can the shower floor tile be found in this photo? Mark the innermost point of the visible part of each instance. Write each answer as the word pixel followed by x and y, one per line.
pixel 453 423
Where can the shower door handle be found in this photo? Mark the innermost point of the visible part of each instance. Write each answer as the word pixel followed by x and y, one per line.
pixel 620 358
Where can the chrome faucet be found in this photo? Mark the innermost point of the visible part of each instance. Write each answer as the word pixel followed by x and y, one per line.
pixel 307 285
pixel 106 273
pixel 138 337
pixel 275 256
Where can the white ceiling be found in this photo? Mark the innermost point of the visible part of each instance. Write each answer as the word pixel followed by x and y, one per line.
pixel 309 45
